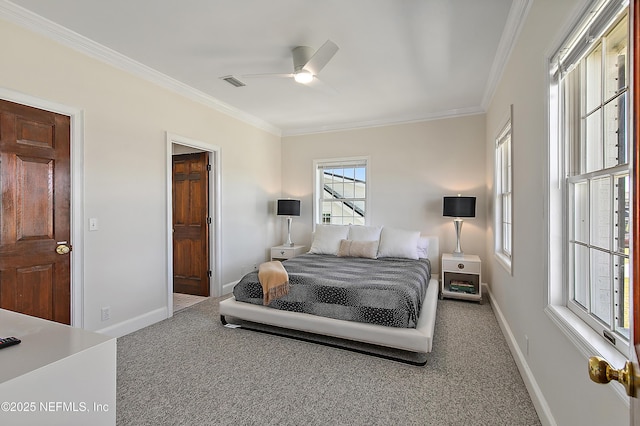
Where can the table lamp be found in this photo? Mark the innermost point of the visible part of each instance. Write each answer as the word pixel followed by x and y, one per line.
pixel 458 207
pixel 289 208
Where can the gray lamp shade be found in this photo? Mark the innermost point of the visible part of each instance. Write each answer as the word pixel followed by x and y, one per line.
pixel 459 206
pixel 288 207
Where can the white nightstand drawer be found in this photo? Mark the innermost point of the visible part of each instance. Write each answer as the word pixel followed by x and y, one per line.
pixel 282 253
pixel 286 252
pixel 461 265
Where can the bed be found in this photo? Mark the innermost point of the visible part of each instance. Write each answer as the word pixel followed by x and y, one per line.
pixel 396 298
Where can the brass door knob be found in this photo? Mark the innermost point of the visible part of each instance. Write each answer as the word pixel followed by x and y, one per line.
pixel 600 371
pixel 63 249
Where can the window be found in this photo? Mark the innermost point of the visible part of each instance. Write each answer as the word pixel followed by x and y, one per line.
pixel 589 107
pixel 503 197
pixel 341 191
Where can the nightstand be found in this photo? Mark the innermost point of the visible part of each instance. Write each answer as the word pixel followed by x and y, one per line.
pixel 461 277
pixel 286 252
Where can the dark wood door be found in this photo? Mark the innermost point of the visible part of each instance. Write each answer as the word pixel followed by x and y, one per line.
pixel 191 224
pixel 34 212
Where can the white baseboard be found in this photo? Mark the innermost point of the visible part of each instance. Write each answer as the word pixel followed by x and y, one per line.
pixel 228 287
pixel 539 402
pixel 129 326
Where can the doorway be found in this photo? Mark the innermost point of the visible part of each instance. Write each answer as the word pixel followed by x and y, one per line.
pixel 190 172
pixel 193 246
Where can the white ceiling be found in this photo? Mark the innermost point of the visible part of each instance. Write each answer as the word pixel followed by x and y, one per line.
pixel 399 60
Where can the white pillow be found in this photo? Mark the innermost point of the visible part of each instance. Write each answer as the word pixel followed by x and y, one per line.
pixel 423 248
pixel 398 243
pixel 364 233
pixel 326 239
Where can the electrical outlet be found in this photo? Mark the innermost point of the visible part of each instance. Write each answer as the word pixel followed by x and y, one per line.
pixel 106 313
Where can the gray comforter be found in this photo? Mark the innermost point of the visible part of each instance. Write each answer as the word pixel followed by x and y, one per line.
pixel 387 291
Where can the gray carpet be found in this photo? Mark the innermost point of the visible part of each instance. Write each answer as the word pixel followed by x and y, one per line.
pixel 190 370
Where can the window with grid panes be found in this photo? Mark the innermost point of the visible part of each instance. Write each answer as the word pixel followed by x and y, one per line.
pixel 504 197
pixel 590 85
pixel 341 191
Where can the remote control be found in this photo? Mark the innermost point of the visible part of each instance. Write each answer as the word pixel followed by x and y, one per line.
pixel 8 341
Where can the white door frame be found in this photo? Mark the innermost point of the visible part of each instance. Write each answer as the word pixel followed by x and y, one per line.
pixel 215 288
pixel 76 192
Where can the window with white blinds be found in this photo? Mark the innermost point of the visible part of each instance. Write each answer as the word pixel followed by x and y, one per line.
pixel 341 191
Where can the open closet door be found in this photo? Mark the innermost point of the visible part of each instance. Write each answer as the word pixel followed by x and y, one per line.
pixel 191 272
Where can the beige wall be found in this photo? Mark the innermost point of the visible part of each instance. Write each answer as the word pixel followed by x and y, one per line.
pixel 412 166
pixel 125 125
pixel 557 367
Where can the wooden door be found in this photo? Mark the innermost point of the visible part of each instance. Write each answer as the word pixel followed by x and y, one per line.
pixel 191 224
pixel 34 212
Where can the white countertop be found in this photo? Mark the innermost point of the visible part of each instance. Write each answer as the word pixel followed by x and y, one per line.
pixel 43 343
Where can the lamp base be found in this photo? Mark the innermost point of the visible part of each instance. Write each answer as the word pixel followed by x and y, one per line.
pixel 457 223
pixel 289 242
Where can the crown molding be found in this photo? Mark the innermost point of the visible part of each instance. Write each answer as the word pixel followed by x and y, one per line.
pixel 513 26
pixel 37 24
pixel 454 113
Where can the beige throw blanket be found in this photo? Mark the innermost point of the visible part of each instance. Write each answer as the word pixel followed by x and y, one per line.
pixel 274 280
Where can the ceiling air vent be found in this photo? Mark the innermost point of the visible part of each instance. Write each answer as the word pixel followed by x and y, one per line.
pixel 233 81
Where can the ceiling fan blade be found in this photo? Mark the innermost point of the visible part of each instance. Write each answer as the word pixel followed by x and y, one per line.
pixel 281 75
pixel 321 57
pixel 323 87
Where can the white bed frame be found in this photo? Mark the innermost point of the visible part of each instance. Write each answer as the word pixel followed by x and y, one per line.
pixel 419 339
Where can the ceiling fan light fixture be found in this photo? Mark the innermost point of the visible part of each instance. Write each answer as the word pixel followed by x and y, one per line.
pixel 303 77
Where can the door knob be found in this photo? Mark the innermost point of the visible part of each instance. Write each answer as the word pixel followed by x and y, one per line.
pixel 600 371
pixel 63 249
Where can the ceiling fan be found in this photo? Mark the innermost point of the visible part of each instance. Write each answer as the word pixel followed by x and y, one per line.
pixel 306 63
